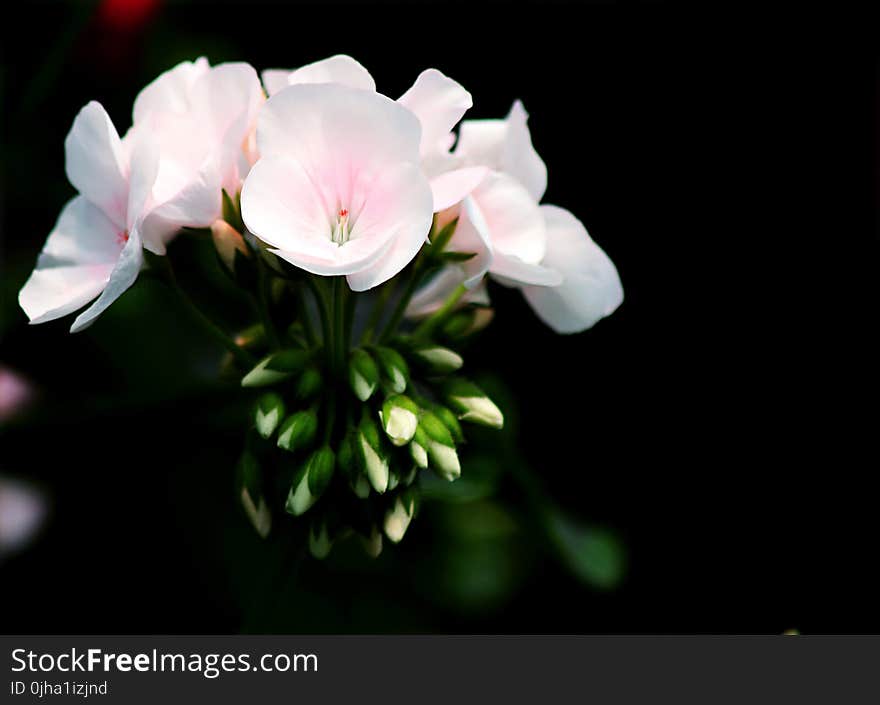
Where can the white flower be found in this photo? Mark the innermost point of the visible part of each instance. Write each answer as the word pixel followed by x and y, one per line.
pixel 203 119
pixel 338 189
pixel 590 289
pixel 340 69
pixel 95 248
pixel 23 510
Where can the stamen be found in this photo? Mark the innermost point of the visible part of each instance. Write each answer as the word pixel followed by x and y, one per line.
pixel 122 237
pixel 340 231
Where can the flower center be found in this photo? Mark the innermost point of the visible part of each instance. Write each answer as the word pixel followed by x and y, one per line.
pixel 340 230
pixel 122 237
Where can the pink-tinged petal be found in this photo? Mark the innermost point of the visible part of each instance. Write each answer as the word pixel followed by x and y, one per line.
pixel 439 103
pixel 143 171
pixel 196 205
pixel 282 206
pixel 431 296
pixel 512 271
pixel 513 219
pixel 122 277
pixel 96 163
pixel 340 69
pixel 450 188
pixel 399 206
pixel 591 287
pixel 506 146
pixel 471 236
pixel 23 511
pixel 75 263
pixel 316 123
pixel 170 92
pixel 275 79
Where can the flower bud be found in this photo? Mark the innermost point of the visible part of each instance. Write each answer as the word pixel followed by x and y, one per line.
pixel 360 486
pixel 467 322
pixel 229 243
pixel 252 496
pixel 311 481
pixel 394 369
pixel 308 384
pixel 372 459
pixel 472 404
pixel 319 540
pixel 397 518
pixel 399 416
pixel 436 359
pixel 418 448
pixel 363 375
pixel 298 430
pixel 276 367
pixel 441 448
pixel 450 421
pixel 373 543
pixel 268 414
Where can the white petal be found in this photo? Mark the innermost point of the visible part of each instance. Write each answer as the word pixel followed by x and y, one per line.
pixel 591 288
pixel 340 69
pixel 512 216
pixel 431 296
pixel 439 103
pixel 512 271
pixel 329 125
pixel 450 188
pixel 400 205
pixel 75 264
pixel 505 145
pixel 144 168
pixel 121 278
pixel 171 91
pixel 96 163
pixel 472 236
pixel 275 79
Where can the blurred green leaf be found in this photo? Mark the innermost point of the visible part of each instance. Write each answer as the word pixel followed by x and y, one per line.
pixel 594 555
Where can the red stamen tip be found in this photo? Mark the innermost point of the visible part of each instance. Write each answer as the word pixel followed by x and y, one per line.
pixel 122 238
pixel 343 212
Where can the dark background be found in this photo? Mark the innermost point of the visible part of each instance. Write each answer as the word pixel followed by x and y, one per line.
pixel 723 422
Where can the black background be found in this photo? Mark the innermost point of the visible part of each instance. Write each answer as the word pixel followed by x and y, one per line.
pixel 723 420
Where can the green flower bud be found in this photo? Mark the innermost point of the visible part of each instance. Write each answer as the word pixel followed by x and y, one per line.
pixel 251 495
pixel 410 476
pixel 373 543
pixel 400 418
pixel 319 540
pixel 394 369
pixel 298 430
pixel 418 448
pixel 363 375
pixel 345 457
pixel 467 322
pixel 310 481
pixel 437 360
pixel 450 421
pixel 393 479
pixel 442 456
pixel 372 459
pixel 472 404
pixel 276 367
pixel 309 383
pixel 397 518
pixel 360 486
pixel 268 414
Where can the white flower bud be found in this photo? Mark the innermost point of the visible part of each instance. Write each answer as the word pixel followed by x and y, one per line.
pixel 444 461
pixel 269 412
pixel 437 359
pixel 397 519
pixel 375 465
pixel 319 540
pixel 228 241
pixel 472 404
pixel 399 416
pixel 258 512
pixel 373 543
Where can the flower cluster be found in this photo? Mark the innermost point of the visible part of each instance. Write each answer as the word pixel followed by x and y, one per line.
pixel 315 187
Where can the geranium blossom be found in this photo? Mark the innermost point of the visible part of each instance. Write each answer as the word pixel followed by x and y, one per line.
pixel 94 250
pixel 338 189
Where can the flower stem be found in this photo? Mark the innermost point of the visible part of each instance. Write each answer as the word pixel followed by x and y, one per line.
pixel 339 332
pixel 262 304
pixel 244 359
pixel 320 298
pixel 403 302
pixel 378 309
pixel 426 327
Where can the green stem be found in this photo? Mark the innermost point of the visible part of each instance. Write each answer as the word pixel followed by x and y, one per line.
pixel 339 334
pixel 378 309
pixel 323 311
pixel 303 311
pixel 403 302
pixel 426 327
pixel 262 303
pixel 244 359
